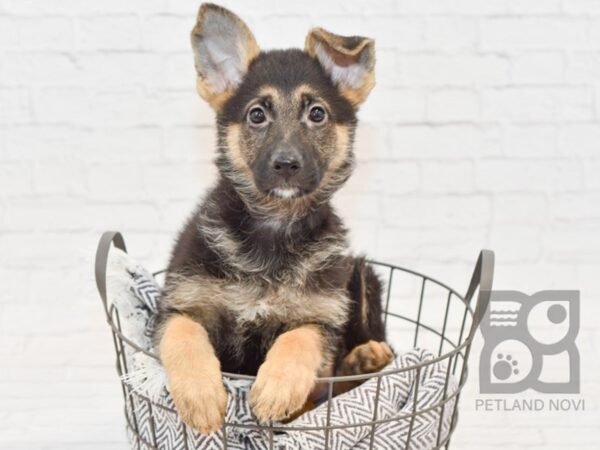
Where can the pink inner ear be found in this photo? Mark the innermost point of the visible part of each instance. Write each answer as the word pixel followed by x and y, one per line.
pixel 340 59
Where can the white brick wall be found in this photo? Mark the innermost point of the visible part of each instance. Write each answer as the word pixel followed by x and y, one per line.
pixel 483 131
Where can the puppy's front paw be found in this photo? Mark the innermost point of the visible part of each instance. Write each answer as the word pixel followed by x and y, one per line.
pixel 280 390
pixel 201 402
pixel 367 358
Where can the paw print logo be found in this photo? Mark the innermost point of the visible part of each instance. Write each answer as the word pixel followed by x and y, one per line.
pixel 521 333
pixel 505 367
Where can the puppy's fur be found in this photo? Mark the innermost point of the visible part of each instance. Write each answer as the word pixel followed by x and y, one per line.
pixel 261 280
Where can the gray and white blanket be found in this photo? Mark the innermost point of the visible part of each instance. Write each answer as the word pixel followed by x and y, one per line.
pixel 135 294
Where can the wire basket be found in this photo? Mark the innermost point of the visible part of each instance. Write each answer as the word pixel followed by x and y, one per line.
pixel 418 310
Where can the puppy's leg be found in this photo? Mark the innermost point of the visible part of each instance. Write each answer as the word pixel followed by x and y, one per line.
pixel 369 357
pixel 365 350
pixel 194 374
pixel 287 376
pixel 318 392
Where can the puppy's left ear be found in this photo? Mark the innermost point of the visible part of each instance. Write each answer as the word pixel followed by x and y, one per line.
pixel 223 48
pixel 349 62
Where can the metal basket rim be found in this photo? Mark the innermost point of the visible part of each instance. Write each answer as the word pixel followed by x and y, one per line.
pixel 283 428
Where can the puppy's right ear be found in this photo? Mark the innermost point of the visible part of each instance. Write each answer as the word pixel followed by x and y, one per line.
pixel 223 49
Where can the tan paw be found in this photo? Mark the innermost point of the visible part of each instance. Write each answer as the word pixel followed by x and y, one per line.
pixel 367 358
pixel 201 402
pixel 280 390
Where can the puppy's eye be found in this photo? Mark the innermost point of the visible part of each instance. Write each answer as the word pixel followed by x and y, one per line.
pixel 257 116
pixel 316 114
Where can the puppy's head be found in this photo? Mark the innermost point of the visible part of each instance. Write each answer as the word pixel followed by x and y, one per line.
pixel 286 118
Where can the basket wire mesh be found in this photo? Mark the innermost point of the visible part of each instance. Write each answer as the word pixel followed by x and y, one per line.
pixel 453 349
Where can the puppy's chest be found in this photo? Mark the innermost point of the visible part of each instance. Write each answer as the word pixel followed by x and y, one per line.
pixel 259 306
pixel 284 305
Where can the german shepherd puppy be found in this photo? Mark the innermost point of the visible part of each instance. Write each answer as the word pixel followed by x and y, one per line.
pixel 260 280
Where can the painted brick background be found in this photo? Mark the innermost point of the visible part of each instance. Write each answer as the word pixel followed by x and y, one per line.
pixel 483 131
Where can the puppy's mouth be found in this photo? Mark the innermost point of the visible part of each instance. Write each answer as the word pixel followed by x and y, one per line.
pixel 286 192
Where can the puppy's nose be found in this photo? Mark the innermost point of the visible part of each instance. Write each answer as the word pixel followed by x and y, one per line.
pixel 286 166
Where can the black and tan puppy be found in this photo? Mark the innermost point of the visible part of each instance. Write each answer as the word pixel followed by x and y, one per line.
pixel 261 280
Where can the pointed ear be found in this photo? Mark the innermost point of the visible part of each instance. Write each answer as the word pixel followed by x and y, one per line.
pixel 223 49
pixel 349 61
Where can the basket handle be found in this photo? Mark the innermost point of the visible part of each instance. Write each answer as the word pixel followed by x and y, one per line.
pixel 483 277
pixel 108 238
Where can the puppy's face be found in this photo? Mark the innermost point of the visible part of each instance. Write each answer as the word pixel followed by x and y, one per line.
pixel 287 129
pixel 286 118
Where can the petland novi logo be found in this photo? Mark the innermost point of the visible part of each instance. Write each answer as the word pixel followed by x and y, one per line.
pixel 530 343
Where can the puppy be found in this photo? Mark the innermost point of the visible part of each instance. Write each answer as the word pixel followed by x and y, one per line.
pixel 260 280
